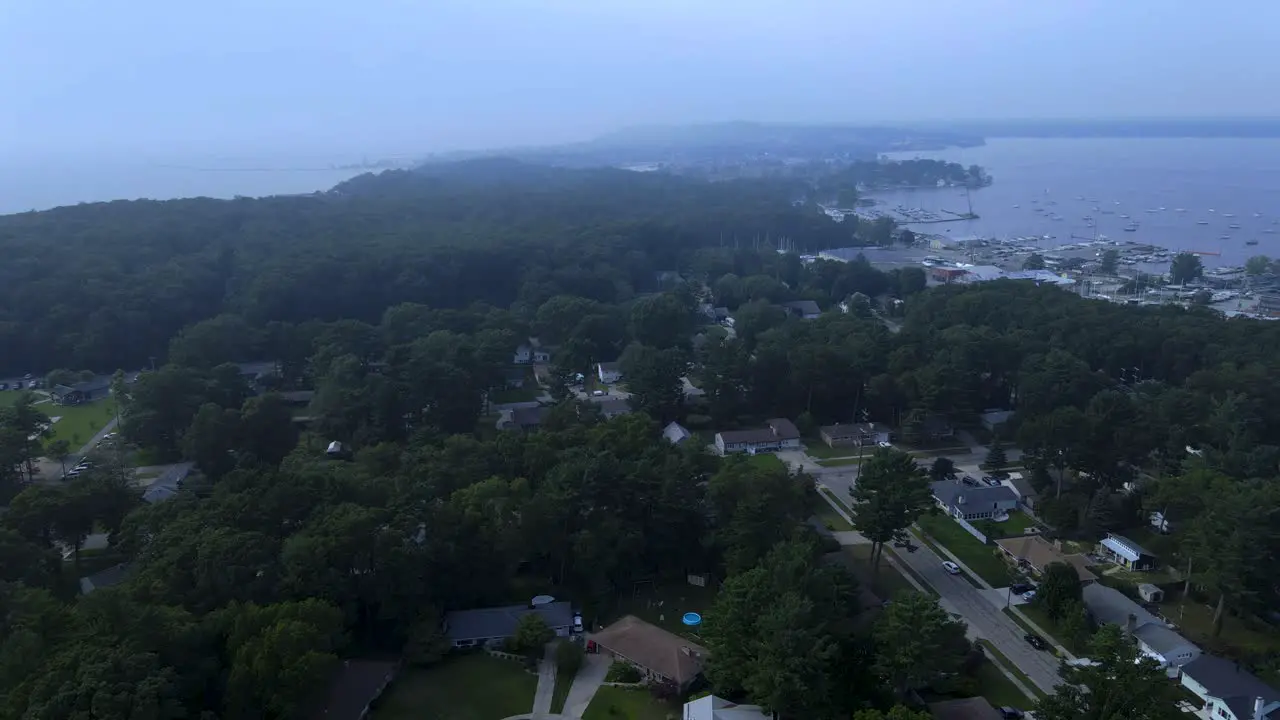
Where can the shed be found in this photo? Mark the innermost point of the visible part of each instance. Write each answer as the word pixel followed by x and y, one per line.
pixel 1123 551
pixel 1150 593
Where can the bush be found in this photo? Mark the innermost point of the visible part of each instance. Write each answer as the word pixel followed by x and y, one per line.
pixel 621 672
pixel 569 657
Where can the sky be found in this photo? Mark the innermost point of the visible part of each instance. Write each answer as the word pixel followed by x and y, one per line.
pixel 386 77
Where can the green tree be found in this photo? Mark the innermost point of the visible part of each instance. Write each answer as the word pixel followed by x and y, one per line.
pixel 1184 268
pixel 898 712
pixel 211 440
pixel 1123 685
pixel 890 494
pixel 1257 265
pixel 569 658
pixel 996 459
pixel 755 507
pixel 1059 590
pixel 1075 627
pixel 1110 261
pixel 943 468
pixel 532 635
pixel 917 643
pixel 653 379
pixel 58 450
pixel 426 643
pixel 1034 261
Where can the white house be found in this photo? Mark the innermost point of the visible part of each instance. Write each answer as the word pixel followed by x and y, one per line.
pixel 523 355
pixel 781 434
pixel 1229 691
pixel 608 373
pixel 710 707
pixel 1155 639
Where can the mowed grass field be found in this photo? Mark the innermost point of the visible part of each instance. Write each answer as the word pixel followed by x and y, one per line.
pixel 77 424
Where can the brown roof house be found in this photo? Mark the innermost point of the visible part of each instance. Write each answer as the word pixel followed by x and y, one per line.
pixel 658 653
pixel 1037 553
pixel 781 434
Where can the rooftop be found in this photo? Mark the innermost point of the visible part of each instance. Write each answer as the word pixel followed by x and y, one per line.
pixel 1161 639
pixel 1125 548
pixel 1040 553
pixel 653 648
pixel 710 707
pixel 778 429
pixel 675 433
pixel 1109 606
pixel 1227 680
pixel 496 622
pixel 953 493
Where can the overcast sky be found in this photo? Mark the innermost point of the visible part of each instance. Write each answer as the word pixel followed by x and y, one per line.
pixel 393 76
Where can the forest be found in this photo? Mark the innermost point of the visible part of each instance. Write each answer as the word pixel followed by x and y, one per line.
pixel 399 300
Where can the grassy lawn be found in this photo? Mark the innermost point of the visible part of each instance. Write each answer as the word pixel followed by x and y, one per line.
pixel 887 582
pixel 1195 620
pixel 840 462
pixel 826 514
pixel 999 657
pixel 980 558
pixel 820 450
pixel 77 424
pixel 766 460
pixel 561 693
pixel 1016 525
pixel 469 687
pixel 615 703
pixel 663 605
pixel 998 689
pixel 9 397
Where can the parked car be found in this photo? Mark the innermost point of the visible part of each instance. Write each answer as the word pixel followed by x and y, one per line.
pixel 1036 641
pixel 905 545
pixel 950 567
pixel 577 622
pixel 884 444
pixel 1029 595
pixel 969 481
pixel 1011 713
pixel 1019 588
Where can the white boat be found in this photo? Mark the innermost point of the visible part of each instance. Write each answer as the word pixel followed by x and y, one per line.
pixel 1126 217
pixel 1180 210
pixel 1017 206
pixel 1233 226
pixel 1131 227
pixel 1269 231
pixel 1161 209
pixel 1202 222
pixel 1152 211
pixel 1228 214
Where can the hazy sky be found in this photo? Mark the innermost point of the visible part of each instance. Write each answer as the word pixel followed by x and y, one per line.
pixel 418 75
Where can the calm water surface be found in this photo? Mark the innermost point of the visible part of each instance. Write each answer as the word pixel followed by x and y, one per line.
pixel 1217 181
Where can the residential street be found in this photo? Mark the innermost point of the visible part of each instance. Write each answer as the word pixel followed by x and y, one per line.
pixel 989 621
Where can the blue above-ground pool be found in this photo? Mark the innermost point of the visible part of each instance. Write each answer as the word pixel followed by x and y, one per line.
pixel 692 618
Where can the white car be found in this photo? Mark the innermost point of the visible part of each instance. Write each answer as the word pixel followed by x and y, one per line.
pixel 950 567
pixel 1029 595
pixel 577 622
pixel 884 444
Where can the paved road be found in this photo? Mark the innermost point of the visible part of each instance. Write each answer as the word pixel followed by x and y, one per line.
pixel 986 618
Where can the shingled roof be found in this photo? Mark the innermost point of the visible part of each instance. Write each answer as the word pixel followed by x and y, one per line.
pixel 653 648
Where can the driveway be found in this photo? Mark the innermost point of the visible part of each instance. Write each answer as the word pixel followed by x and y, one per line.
pixel 546 682
pixel 986 617
pixel 588 680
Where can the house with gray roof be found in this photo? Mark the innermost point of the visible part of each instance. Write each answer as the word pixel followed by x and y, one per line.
pixel 804 309
pixel 675 433
pixel 489 626
pixel 109 577
pixel 1123 551
pixel 779 434
pixel 969 502
pixel 523 418
pixel 1229 691
pixel 611 408
pixel 1155 639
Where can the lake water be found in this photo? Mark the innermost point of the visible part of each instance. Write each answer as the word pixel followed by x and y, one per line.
pixel 1217 181
pixel 42 183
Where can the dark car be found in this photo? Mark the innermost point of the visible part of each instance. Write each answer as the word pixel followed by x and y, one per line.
pixel 1011 713
pixel 1019 588
pixel 1036 641
pixel 969 481
pixel 905 545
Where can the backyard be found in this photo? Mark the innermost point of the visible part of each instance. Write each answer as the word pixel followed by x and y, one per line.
pixel 1195 620
pixel 663 605
pixel 981 559
pixel 77 424
pixel 468 687
pixel 1015 526
pixel 616 703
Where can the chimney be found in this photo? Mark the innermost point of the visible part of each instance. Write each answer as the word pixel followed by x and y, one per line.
pixel 960 500
pixel 1258 705
pixel 1130 624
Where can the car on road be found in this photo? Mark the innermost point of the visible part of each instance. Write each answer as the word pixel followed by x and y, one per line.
pixel 950 567
pixel 1036 641
pixel 905 545
pixel 1019 588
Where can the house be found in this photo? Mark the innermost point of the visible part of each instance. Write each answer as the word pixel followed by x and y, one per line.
pixel 994 420
pixel 973 503
pixel 675 433
pixel 1158 521
pixel 1229 691
pixel 258 370
pixel 608 373
pixel 84 392
pixel 110 577
pixel 1123 551
pixel 710 707
pixel 513 378
pixel 781 434
pixel 490 626
pixel 723 316
pixel 1155 639
pixel 169 484
pixel 803 309
pixel 611 408
pixel 974 708
pixel 541 353
pixel 1021 486
pixel 841 435
pixel 523 418
pixel 1035 552
pixel 657 653
pixel 356 684
pixel 523 355
pixel 937 427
